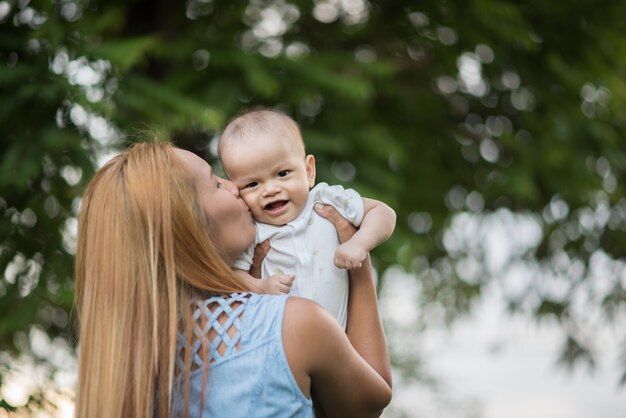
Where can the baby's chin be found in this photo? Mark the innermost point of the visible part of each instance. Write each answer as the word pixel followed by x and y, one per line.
pixel 271 221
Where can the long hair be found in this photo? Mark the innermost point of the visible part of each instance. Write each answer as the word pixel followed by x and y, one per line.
pixel 144 252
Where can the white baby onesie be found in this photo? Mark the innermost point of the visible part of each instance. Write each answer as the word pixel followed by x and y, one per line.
pixel 305 247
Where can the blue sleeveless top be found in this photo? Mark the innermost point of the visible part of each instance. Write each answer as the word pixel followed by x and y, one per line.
pixel 252 377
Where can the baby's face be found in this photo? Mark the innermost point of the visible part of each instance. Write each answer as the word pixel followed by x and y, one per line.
pixel 273 176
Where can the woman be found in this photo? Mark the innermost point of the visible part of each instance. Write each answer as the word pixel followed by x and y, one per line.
pixel 166 328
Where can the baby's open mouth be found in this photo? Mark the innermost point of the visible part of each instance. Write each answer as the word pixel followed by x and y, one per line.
pixel 275 205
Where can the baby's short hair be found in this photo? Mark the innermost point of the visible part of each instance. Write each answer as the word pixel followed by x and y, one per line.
pixel 250 122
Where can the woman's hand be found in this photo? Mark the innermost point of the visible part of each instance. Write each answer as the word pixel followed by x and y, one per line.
pixel 349 255
pixel 260 251
pixel 345 230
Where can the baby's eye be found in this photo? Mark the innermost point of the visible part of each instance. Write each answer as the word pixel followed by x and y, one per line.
pixel 218 185
pixel 250 185
pixel 283 173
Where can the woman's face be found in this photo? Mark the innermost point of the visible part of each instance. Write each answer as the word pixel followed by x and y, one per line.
pixel 231 219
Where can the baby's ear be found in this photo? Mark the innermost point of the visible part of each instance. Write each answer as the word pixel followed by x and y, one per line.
pixel 309 162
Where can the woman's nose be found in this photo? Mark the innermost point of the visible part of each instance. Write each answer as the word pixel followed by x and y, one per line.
pixel 231 187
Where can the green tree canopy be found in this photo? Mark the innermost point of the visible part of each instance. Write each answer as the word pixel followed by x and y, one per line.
pixel 442 109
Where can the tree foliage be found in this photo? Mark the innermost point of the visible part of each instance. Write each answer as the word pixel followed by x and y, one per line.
pixel 442 109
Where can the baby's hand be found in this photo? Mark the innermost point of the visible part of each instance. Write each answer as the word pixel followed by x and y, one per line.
pixel 277 284
pixel 350 255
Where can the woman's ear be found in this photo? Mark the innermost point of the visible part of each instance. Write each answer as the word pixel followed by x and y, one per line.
pixel 309 162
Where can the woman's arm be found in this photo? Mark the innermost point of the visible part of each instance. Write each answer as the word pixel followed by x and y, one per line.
pixel 349 373
pixel 323 361
pixel 362 302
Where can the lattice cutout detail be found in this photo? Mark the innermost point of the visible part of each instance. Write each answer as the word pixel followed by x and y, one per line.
pixel 217 321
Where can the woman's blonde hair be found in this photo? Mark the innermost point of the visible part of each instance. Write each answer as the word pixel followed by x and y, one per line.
pixel 144 253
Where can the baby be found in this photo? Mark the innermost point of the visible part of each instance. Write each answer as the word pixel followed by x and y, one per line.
pixel 263 153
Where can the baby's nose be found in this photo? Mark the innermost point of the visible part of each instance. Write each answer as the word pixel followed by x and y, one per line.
pixel 271 187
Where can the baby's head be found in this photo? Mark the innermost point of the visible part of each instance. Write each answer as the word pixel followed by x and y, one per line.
pixel 263 153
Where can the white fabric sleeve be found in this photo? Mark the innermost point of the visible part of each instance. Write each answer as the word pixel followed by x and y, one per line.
pixel 347 201
pixel 244 261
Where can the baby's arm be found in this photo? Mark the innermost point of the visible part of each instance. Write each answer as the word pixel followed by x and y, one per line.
pixel 274 285
pixel 378 224
pixel 248 269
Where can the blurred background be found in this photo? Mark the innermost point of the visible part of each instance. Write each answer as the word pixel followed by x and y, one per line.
pixel 494 128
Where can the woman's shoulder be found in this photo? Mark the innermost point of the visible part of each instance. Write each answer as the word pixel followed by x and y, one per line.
pixel 302 308
pixel 311 337
pixel 305 318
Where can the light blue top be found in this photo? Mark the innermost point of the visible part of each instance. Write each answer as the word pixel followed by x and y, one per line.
pixel 252 379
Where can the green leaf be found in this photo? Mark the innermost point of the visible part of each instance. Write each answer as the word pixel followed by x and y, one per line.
pixel 125 53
